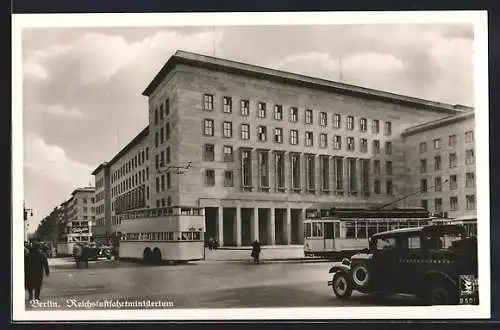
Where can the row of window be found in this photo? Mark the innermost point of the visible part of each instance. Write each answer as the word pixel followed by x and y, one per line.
pixel 131 182
pixel 99 209
pixel 452 141
pixel 162 158
pixel 162 112
pixel 161 202
pixel 164 236
pixel 452 161
pixel 162 135
pixel 470 203
pixel 140 158
pixel 131 200
pixel 453 182
pixel 261 110
pixel 162 181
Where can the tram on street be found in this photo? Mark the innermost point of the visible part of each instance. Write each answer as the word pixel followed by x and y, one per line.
pixel 341 232
pixel 174 234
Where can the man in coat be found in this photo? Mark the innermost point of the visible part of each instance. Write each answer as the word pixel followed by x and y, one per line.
pixel 256 251
pixel 35 265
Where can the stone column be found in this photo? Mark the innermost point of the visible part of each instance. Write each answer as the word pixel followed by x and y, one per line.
pixel 255 224
pixel 238 226
pixel 300 226
pixel 288 226
pixel 272 226
pixel 220 225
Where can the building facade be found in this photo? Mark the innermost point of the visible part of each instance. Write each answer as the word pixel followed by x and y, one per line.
pixel 81 215
pixel 440 156
pixel 102 228
pixel 255 147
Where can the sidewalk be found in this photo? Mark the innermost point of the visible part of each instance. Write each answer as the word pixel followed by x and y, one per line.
pixel 276 253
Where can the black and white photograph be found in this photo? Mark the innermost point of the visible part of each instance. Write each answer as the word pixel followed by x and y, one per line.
pixel 246 166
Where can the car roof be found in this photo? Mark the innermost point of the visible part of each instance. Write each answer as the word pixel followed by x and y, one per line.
pixel 437 229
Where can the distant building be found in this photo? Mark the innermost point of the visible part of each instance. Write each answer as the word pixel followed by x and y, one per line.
pixel 102 205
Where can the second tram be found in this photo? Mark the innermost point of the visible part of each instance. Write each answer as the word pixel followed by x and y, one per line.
pixel 341 232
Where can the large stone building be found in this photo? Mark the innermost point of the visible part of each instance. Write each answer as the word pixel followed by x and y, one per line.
pixel 440 157
pixel 102 228
pixel 255 147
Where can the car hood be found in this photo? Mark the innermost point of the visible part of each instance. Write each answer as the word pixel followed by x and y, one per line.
pixel 362 256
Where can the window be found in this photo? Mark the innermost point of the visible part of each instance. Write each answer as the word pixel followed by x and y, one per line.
pixel 388 148
pixel 423 147
pixel 228 179
pixel 162 159
pixel 350 143
pixel 437 184
pixel 453 203
pixel 470 180
pixel 168 156
pixel 424 204
pixel 208 152
pixel 309 139
pixel 339 174
pixel 309 116
pixel 337 142
pixel 264 169
pixel 363 144
pixel 294 137
pixel 227 129
pixel 389 188
pixel 262 133
pixel 423 185
pixel 295 163
pixel 280 170
pixel 438 205
pixel 157 185
pixel 209 177
pixel 278 135
pixel 376 146
pixel 162 135
pixel 452 140
pixel 469 136
pixel 167 107
pixel 157 139
pixel 387 128
pixel 208 102
pixel 453 160
pixel 161 112
pixel 208 127
pixel 311 173
pixel 376 167
pixel 437 163
pixel 388 167
pixel 423 165
pixel 325 173
pixel 294 115
pixel 163 182
pixel 470 202
pixel 437 144
pixel 453 182
pixel 278 112
pixel 246 168
pixel 227 104
pixel 365 177
pixel 336 120
pixel 350 123
pixel 377 187
pixel 156 116
pixel 228 154
pixel 352 172
pixel 323 140
pixel 245 132
pixel 363 124
pixel 169 182
pixel 261 110
pixel 244 107
pixel 469 156
pixel 375 126
pixel 323 119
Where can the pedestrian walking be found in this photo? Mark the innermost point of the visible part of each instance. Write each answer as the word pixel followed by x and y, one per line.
pixel 35 264
pixel 256 251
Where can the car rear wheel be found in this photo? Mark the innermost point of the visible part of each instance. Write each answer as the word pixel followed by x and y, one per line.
pixel 441 293
pixel 342 287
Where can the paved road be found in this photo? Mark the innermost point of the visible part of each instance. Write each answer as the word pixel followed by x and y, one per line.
pixel 203 285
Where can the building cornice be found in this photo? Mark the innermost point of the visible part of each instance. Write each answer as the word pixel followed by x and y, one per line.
pixel 437 123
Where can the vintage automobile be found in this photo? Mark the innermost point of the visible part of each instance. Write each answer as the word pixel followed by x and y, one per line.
pixel 432 262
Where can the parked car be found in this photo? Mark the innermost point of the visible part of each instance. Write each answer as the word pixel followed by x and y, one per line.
pixel 437 263
pixel 104 252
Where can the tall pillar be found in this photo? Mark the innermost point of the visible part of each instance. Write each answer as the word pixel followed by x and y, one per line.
pixel 272 226
pixel 220 225
pixel 238 226
pixel 255 224
pixel 288 226
pixel 300 227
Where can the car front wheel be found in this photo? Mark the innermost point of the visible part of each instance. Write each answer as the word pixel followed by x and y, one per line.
pixel 441 293
pixel 342 287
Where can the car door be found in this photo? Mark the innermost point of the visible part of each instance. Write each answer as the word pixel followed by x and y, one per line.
pixel 410 257
pixel 384 260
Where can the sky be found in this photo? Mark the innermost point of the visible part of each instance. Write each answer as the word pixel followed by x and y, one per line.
pixel 82 87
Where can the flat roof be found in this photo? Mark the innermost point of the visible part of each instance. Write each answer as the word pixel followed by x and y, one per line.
pixel 438 123
pixel 84 189
pixel 224 65
pixel 101 166
pixel 138 138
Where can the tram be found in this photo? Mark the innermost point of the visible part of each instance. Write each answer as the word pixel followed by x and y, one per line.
pixel 341 232
pixel 174 234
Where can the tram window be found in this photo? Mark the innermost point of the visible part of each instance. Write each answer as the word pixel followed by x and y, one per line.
pixel 317 229
pixel 413 243
pixel 176 237
pixel 185 236
pixel 329 230
pixel 403 224
pixel 350 230
pixel 196 236
pixel 337 229
pixel 170 236
pixel 307 229
pixel 413 224
pixel 361 229
pixel 393 225
pixel 382 226
pixel 372 228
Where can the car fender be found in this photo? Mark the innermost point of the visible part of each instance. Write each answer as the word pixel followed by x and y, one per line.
pixel 339 267
pixel 436 274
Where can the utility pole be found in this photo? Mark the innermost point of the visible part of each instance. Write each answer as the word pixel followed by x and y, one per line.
pixel 25 220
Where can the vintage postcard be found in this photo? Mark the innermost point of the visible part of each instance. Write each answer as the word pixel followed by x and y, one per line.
pixel 242 166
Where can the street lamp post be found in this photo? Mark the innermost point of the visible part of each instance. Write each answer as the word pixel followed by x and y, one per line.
pixel 25 218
